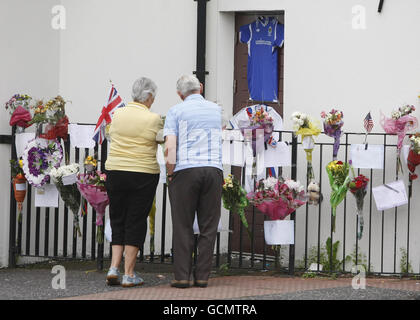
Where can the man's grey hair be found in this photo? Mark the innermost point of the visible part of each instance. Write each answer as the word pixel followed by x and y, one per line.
pixel 142 88
pixel 188 84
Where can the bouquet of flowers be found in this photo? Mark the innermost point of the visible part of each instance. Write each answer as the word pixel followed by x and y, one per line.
pixel 260 127
pixel 307 128
pixel 18 107
pixel 19 184
pixel 65 178
pixel 338 174
pixel 92 187
pixel 358 187
pixel 400 123
pixel 333 122
pixel 414 155
pixel 277 198
pixel 39 158
pixel 51 119
pixel 235 199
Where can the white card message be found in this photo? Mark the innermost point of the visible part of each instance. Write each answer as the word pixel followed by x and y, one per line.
pixel 390 195
pixel 279 232
pixel 81 136
pixel 370 158
pixel 46 196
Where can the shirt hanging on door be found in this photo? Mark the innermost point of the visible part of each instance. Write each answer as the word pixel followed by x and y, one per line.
pixel 263 37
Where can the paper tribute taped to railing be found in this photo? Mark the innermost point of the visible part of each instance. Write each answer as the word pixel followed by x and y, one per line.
pixel 81 136
pixel 390 195
pixel 371 157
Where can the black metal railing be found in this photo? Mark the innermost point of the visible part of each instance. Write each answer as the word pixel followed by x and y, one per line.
pixel 384 232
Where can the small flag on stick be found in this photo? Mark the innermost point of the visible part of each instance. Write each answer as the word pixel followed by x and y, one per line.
pixel 368 124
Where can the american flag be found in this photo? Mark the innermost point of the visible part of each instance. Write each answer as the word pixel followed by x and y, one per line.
pixel 368 123
pixel 114 102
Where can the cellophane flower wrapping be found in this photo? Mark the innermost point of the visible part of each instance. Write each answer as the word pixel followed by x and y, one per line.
pixel 235 199
pixel 69 193
pixel 307 128
pixel 333 123
pixel 413 159
pixel 338 174
pixel 400 123
pixel 51 119
pixel 259 127
pixel 358 187
pixel 96 196
pixel 278 198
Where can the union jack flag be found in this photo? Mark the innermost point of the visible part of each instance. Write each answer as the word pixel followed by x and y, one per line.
pixel 368 123
pixel 114 102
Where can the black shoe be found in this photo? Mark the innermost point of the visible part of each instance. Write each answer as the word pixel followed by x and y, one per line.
pixel 201 283
pixel 181 284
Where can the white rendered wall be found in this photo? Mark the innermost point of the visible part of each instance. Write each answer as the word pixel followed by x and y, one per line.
pixel 28 64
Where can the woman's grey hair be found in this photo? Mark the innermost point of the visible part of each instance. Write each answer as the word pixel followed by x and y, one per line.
pixel 142 88
pixel 188 84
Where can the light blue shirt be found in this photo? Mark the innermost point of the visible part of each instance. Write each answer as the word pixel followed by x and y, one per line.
pixel 197 124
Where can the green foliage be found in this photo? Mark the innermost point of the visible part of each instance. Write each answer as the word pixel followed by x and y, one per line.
pixel 361 259
pixel 405 265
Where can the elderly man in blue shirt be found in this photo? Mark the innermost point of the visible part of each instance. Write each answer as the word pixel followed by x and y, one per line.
pixel 193 131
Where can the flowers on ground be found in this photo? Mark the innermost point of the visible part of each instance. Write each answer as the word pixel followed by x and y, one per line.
pixel 278 198
pixel 338 174
pixel 333 122
pixel 65 178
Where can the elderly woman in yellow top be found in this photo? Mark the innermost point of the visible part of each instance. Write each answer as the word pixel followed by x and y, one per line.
pixel 132 178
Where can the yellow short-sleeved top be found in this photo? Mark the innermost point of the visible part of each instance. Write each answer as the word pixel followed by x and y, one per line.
pixel 133 139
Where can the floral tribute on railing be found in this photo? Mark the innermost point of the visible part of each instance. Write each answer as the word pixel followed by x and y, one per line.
pixel 400 123
pixel 39 158
pixel 333 123
pixel 278 198
pixel 65 178
pixel 92 187
pixel 358 187
pixel 308 128
pixel 19 184
pixel 235 199
pixel 338 174
pixel 18 107
pixel 51 120
pixel 413 159
pixel 260 127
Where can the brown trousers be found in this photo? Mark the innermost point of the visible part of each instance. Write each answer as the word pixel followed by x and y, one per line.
pixel 190 191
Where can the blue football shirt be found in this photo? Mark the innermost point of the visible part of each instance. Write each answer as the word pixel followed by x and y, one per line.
pixel 263 37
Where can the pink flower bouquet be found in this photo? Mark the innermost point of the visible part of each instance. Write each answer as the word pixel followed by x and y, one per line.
pixel 400 123
pixel 277 198
pixel 92 188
